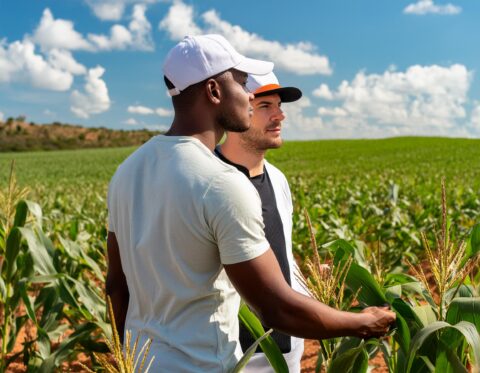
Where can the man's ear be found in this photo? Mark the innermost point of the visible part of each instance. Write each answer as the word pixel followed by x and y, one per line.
pixel 214 91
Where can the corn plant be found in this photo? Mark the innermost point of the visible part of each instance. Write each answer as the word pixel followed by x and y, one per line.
pixel 128 360
pixel 327 285
pixel 444 335
pixel 51 283
pixel 124 360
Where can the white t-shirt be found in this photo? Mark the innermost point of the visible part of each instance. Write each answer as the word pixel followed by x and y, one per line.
pixel 179 214
pixel 259 363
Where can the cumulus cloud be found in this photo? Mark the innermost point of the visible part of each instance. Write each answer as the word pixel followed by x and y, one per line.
pixel 20 63
pixel 137 36
pixel 54 33
pixel 475 116
pixel 119 38
pixel 323 92
pixel 58 33
pixel 422 97
pixel 179 21
pixel 112 10
pixel 332 112
pixel 299 58
pixel 141 28
pixel 143 110
pixel 107 10
pixel 63 60
pixel 428 6
pixel 162 112
pixel 95 99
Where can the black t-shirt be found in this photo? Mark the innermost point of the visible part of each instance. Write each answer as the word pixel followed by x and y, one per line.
pixel 275 237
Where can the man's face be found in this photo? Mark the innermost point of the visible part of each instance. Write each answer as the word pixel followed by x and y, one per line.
pixel 236 111
pixel 265 130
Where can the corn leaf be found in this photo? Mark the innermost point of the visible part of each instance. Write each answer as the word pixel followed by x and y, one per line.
pixel 268 345
pixel 359 279
pixel 464 309
pixel 354 359
pixel 249 353
pixel 467 329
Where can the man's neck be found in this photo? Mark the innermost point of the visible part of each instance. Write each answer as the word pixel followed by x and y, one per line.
pixel 252 160
pixel 208 136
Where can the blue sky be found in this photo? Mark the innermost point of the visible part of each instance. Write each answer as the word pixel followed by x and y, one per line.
pixel 367 69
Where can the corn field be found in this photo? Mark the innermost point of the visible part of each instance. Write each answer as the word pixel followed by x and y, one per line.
pixel 375 211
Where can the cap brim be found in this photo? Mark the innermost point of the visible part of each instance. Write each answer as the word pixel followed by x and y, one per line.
pixel 256 67
pixel 287 94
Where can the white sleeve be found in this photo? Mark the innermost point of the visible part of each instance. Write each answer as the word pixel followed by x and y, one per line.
pixel 233 211
pixel 111 209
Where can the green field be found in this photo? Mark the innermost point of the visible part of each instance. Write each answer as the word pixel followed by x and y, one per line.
pixel 347 185
pixel 417 158
pixel 378 196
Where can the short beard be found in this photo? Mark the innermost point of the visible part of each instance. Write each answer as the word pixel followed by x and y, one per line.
pixel 228 124
pixel 255 143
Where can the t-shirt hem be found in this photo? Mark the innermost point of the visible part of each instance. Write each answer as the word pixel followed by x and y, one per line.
pixel 253 253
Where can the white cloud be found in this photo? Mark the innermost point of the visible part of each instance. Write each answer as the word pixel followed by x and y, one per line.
pixel 422 100
pixel 299 58
pixel 329 112
pixel 58 33
pixel 63 60
pixel 20 63
pixel 107 10
pixel 179 21
pixel 8 66
pixel 162 112
pixel 323 92
pixel 131 122
pixel 112 10
pixel 95 100
pixel 422 96
pixel 143 110
pixel 141 28
pixel 428 6
pixel 475 116
pixel 137 36
pixel 120 38
pixel 297 124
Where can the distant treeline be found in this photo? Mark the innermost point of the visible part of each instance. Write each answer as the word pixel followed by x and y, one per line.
pixel 16 134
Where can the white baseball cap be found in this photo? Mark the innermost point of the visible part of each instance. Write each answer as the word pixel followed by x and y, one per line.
pixel 267 84
pixel 197 58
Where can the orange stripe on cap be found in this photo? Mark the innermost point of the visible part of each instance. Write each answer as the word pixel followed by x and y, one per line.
pixel 265 88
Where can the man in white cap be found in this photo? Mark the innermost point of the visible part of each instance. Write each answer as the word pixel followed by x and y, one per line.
pixel 246 151
pixel 185 229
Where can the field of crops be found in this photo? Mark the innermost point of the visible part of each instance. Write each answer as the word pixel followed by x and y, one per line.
pixel 369 201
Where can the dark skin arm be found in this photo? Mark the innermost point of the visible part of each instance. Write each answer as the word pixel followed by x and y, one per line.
pixel 116 284
pixel 261 284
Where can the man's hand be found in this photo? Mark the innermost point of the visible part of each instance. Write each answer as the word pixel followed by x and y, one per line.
pixel 377 321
